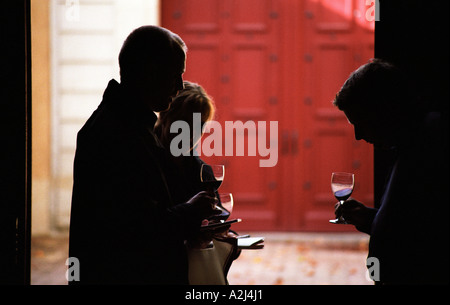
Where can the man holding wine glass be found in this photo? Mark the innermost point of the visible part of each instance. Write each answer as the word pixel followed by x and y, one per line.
pixel 342 186
pixel 125 227
pixel 409 231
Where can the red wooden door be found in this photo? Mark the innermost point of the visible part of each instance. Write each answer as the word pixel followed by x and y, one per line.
pixel 283 61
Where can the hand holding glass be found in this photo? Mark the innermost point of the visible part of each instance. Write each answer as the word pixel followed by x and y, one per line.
pixel 212 177
pixel 342 186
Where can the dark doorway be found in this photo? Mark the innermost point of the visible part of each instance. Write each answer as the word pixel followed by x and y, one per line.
pixel 15 160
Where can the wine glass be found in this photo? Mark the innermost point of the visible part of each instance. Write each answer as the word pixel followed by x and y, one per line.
pixel 226 202
pixel 212 176
pixel 342 186
pixel 225 206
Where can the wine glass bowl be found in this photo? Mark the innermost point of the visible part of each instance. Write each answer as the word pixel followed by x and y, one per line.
pixel 342 185
pixel 226 201
pixel 212 176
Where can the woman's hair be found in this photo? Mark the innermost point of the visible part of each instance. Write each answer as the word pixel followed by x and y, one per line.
pixel 192 99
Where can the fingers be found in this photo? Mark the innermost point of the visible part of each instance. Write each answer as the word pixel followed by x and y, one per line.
pixel 209 197
pixel 338 209
pixel 204 202
pixel 351 210
pixel 347 209
pixel 204 198
pixel 352 203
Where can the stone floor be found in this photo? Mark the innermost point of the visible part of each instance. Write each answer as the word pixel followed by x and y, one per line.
pixel 303 259
pixel 48 257
pixel 287 259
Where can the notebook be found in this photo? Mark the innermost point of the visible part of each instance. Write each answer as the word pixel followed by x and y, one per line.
pixel 251 243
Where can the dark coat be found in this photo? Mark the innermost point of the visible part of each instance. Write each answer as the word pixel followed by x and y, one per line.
pixel 410 232
pixel 184 178
pixel 124 226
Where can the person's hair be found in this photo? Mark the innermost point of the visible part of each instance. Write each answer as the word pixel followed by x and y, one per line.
pixel 149 49
pixel 376 85
pixel 192 99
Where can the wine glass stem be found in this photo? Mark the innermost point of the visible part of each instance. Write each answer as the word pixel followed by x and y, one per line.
pixel 341 218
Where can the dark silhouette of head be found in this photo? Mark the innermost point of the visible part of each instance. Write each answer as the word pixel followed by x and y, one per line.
pixel 152 61
pixel 378 100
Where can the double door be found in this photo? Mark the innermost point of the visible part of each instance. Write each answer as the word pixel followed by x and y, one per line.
pixel 280 62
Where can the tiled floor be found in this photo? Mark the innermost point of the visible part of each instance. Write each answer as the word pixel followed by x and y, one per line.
pixel 287 259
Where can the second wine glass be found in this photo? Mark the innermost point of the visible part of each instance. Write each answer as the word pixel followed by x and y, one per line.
pixel 226 201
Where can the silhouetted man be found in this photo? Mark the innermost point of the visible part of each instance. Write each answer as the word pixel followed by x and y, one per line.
pixel 409 232
pixel 124 226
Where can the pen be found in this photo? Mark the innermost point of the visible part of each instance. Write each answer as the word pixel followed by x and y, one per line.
pixel 243 236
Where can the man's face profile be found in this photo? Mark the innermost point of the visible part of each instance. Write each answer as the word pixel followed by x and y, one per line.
pixel 166 85
pixel 369 126
pixel 158 86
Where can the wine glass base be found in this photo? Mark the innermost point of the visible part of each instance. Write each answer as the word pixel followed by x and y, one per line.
pixel 338 221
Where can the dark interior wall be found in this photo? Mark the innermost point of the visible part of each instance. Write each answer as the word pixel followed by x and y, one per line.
pixel 15 150
pixel 413 34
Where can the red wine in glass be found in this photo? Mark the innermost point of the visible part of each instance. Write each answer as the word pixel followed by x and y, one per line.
pixel 212 176
pixel 343 194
